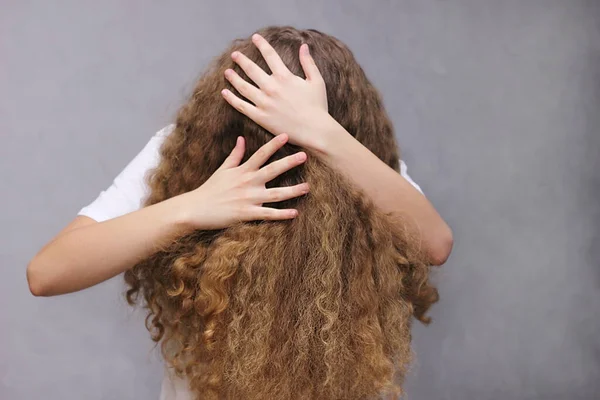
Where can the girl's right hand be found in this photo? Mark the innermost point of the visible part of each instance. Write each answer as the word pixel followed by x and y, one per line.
pixel 236 193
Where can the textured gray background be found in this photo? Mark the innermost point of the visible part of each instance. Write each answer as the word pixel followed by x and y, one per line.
pixel 496 104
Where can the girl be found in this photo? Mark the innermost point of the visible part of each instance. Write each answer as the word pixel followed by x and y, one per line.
pixel 173 234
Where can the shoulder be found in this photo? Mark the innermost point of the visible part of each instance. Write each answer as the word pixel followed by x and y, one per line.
pixel 148 157
pixel 166 131
pixel 128 189
pixel 150 153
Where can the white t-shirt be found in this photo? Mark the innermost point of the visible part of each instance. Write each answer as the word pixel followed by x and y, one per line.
pixel 126 194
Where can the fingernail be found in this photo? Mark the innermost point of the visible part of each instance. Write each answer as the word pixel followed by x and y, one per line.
pixel 294 213
pixel 305 188
pixel 301 156
pixel 283 137
pixel 235 54
pixel 305 49
pixel 228 72
pixel 224 92
pixel 255 37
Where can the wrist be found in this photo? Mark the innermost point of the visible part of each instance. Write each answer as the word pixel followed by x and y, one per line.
pixel 325 136
pixel 333 141
pixel 178 214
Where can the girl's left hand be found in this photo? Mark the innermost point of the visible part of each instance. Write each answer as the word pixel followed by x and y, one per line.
pixel 283 102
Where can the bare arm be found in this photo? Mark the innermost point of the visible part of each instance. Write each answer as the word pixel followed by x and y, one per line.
pixel 386 187
pixel 86 252
pixel 284 102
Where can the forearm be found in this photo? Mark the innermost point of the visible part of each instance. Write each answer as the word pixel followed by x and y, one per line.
pixel 387 188
pixel 93 253
pixel 86 252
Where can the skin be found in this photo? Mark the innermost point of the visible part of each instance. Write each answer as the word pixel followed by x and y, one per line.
pixel 86 252
pixel 284 102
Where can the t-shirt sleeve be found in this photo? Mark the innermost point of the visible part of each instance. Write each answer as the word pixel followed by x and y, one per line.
pixel 129 189
pixel 404 173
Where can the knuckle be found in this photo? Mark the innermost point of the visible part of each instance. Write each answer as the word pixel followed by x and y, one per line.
pixel 249 91
pixel 259 115
pixel 243 181
pixel 286 76
pixel 263 213
pixel 242 63
pixel 267 106
pixel 243 213
pixel 244 91
pixel 269 170
pixel 280 79
pixel 245 86
pixel 270 89
pixel 238 213
pixel 252 68
pixel 270 213
pixel 267 51
pixel 275 196
pixel 262 153
pixel 261 101
pixel 239 85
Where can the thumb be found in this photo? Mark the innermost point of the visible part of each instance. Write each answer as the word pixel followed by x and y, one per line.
pixel 237 154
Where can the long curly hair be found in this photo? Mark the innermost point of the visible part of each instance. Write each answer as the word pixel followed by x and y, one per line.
pixel 318 307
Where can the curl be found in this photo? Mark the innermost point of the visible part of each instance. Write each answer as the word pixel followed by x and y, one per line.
pixel 317 307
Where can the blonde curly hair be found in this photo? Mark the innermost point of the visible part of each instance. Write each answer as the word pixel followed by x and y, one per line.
pixel 318 307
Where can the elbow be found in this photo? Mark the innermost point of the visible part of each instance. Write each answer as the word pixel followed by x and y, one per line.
pixel 442 247
pixel 37 285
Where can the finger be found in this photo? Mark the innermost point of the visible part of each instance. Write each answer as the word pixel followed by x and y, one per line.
pixel 237 154
pixel 272 214
pixel 276 168
pixel 247 90
pixel 265 152
pixel 242 106
pixel 270 55
pixel 275 195
pixel 253 71
pixel 311 71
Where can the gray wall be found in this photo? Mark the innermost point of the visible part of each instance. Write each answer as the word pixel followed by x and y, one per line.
pixel 495 104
